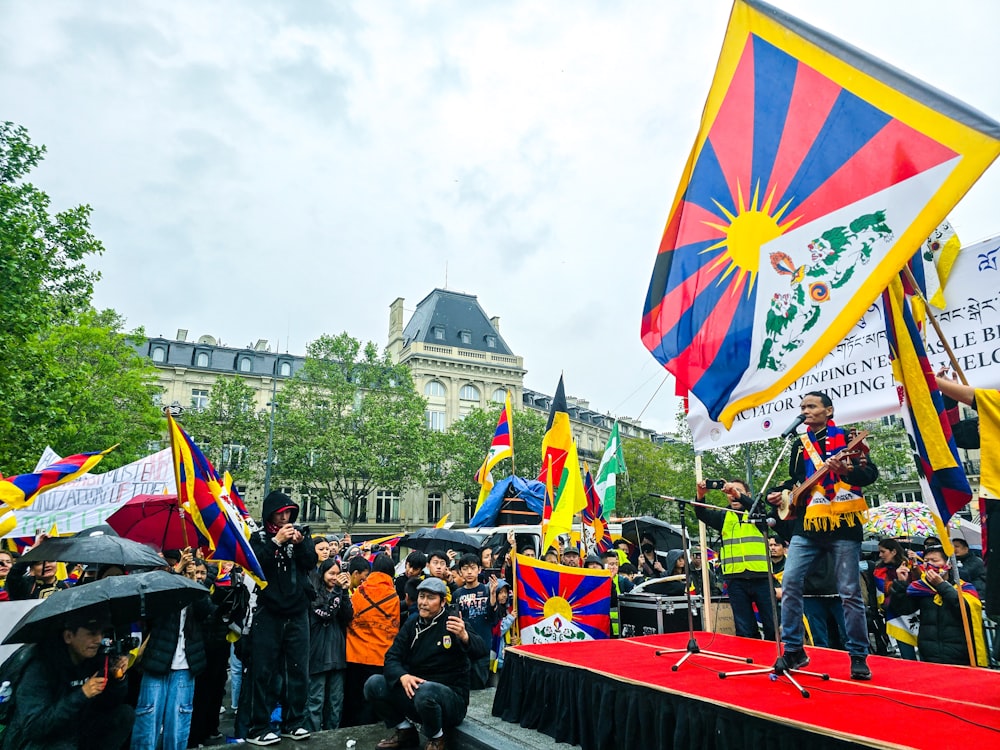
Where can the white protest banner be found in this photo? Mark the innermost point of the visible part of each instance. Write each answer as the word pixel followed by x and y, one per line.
pixel 857 374
pixel 87 501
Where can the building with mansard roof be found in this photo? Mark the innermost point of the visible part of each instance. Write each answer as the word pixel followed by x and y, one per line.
pixel 458 359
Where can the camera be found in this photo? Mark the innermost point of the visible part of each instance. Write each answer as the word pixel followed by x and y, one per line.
pixel 119 646
pixel 304 530
pixel 714 484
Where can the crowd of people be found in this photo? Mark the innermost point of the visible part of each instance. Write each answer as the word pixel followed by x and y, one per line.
pixel 338 638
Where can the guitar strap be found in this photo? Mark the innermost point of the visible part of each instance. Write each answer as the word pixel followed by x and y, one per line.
pixel 832 501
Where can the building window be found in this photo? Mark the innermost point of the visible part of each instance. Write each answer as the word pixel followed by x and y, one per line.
pixel 435 420
pixel 245 364
pixel 199 399
pixel 438 332
pixel 469 508
pixel 469 393
pixel 433 507
pixel 491 341
pixel 435 388
pixel 285 369
pixel 386 506
pixel 312 510
pixel 466 336
pixel 157 399
pixel 499 396
pixel 201 359
pixel 159 354
pixel 232 456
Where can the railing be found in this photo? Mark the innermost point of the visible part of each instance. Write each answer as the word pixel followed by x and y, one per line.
pixel 419 347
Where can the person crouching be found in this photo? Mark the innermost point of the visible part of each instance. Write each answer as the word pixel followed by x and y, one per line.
pixel 426 675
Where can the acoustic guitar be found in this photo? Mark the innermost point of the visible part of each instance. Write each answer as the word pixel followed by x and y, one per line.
pixel 793 502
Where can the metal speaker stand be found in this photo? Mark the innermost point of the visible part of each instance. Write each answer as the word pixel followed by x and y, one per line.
pixel 692 647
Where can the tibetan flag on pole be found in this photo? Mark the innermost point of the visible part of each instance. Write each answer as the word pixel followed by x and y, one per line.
pixel 557 603
pixel 200 493
pixel 561 469
pixel 816 171
pixel 20 491
pixel 547 505
pixel 924 414
pixel 593 515
pixel 612 464
pixel 502 447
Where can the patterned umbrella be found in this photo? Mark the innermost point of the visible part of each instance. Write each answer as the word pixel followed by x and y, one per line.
pixel 900 519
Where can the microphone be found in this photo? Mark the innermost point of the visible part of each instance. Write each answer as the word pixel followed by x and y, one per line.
pixel 790 430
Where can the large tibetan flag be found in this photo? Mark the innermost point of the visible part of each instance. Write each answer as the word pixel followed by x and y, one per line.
pixel 561 469
pixel 200 492
pixel 502 447
pixel 924 413
pixel 816 171
pixel 557 603
pixel 20 491
pixel 593 514
pixel 612 464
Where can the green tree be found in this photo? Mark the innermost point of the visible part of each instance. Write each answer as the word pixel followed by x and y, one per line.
pixel 68 377
pixel 460 452
pixel 349 423
pixel 230 430
pixel 661 469
pixel 890 450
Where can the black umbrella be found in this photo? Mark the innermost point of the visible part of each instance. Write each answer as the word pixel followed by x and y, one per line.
pixel 95 546
pixel 427 540
pixel 666 535
pixel 120 599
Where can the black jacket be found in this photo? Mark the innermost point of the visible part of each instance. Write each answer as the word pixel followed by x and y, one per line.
pixel 427 650
pixel 329 614
pixel 163 632
pixel 286 566
pixel 973 570
pixel 942 636
pixel 50 705
pixel 22 585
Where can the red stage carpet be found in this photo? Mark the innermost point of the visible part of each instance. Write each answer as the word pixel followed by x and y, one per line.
pixel 906 705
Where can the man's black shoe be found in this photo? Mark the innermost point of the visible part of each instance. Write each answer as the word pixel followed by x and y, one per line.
pixel 859 668
pixel 401 738
pixel 792 660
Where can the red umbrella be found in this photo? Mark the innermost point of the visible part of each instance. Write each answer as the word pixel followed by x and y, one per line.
pixel 157 520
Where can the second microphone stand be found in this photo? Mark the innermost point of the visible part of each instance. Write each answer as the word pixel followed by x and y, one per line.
pixel 692 644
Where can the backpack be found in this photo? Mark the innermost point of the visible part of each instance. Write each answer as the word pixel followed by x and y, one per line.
pixel 11 672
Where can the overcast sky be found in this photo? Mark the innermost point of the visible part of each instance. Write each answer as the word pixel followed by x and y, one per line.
pixel 282 170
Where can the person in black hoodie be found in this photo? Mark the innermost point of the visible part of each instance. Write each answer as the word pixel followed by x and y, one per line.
pixel 279 637
pixel 426 675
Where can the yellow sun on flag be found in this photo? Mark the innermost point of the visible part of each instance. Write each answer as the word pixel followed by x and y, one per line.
pixel 750 228
pixel 556 605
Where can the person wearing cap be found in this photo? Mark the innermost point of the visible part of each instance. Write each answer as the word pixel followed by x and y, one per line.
pixel 426 676
pixel 280 631
pixel 571 557
pixel 67 699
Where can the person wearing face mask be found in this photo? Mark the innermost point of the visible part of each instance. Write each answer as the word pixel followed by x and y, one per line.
pixel 650 565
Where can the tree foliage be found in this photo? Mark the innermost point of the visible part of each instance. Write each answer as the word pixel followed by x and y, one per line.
pixel 68 377
pixel 348 423
pixel 230 430
pixel 458 453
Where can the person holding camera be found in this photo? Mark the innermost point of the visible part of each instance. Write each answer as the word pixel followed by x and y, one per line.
pixel 279 636
pixel 743 557
pixel 426 676
pixel 71 695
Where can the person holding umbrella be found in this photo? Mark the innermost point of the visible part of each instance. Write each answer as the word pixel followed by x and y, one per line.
pixel 71 696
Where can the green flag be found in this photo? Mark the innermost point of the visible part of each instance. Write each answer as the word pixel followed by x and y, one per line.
pixel 612 464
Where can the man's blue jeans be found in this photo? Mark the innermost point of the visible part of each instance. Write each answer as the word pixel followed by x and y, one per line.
pixel 802 553
pixel 164 704
pixel 743 594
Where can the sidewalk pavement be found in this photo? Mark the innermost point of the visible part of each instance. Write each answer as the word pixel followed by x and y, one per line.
pixel 480 731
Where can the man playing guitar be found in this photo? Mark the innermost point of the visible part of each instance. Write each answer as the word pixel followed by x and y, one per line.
pixel 832 523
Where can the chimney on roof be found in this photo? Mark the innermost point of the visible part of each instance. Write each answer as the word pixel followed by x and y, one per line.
pixel 261 346
pixel 495 322
pixel 182 334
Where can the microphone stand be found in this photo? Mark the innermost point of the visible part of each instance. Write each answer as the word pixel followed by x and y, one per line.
pixel 692 647
pixel 757 515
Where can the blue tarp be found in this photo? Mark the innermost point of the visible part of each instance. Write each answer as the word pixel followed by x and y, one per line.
pixel 530 490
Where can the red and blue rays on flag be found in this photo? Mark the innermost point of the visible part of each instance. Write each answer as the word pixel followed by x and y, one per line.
pixel 21 490
pixel 927 419
pixel 809 151
pixel 199 490
pixel 580 598
pixel 593 515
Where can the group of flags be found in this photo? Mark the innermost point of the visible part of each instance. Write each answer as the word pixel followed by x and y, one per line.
pixel 816 173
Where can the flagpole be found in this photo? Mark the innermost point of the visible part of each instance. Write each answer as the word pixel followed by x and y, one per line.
pixel 706 589
pixel 969 640
pixel 510 429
